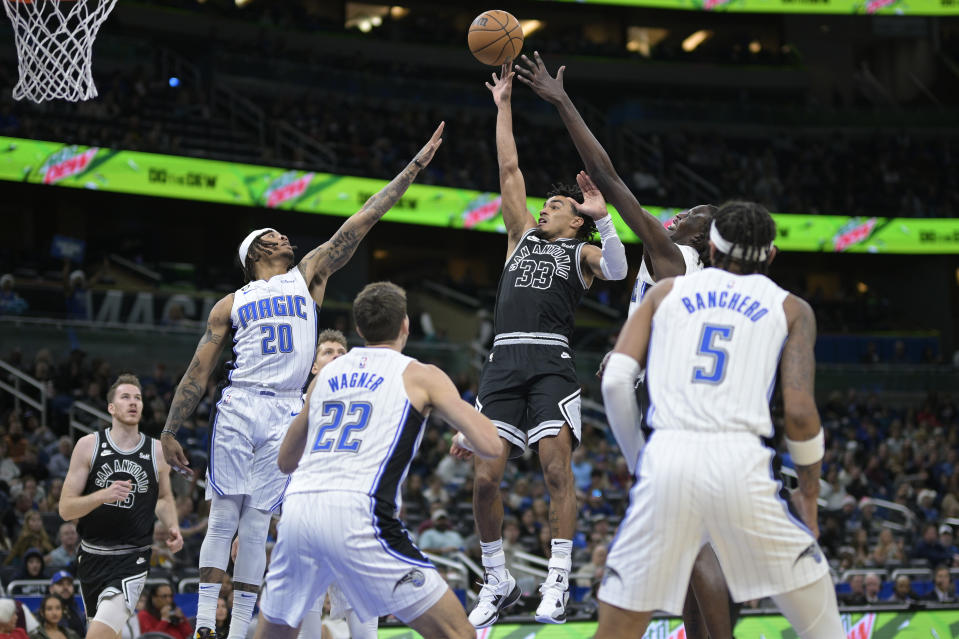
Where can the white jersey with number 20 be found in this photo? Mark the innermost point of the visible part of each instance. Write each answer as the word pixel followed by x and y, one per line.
pixel 713 353
pixel 274 333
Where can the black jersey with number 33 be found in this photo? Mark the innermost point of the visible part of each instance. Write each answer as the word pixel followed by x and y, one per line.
pixel 540 288
pixel 128 523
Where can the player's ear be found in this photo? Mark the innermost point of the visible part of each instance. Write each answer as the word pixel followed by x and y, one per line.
pixel 359 332
pixel 712 252
pixel 406 325
pixel 772 255
pixel 111 408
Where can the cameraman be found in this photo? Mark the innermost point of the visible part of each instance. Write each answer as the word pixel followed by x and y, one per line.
pixel 162 615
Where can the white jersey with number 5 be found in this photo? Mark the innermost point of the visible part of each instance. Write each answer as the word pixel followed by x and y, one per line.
pixel 363 433
pixel 713 353
pixel 274 333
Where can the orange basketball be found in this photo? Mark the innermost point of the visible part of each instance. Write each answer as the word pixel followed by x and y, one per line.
pixel 495 37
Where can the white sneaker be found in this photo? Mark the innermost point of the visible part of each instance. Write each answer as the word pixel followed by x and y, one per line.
pixel 494 596
pixel 555 591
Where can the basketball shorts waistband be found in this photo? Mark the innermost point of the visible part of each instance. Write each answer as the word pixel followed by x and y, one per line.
pixel 543 339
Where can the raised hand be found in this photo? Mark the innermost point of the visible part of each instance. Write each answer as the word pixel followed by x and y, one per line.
pixel 535 75
pixel 594 205
pixel 426 153
pixel 502 86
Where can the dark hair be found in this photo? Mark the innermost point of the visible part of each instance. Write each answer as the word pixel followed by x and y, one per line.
pixel 43 605
pixel 150 608
pixel 124 378
pixel 586 231
pixel 749 227
pixel 253 256
pixel 379 311
pixel 331 335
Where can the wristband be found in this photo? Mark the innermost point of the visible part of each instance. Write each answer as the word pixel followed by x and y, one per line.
pixel 167 431
pixel 807 452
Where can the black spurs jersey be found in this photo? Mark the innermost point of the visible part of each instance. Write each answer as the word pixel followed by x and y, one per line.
pixel 540 288
pixel 128 524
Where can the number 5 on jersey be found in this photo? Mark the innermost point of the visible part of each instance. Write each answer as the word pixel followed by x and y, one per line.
pixel 358 418
pixel 708 348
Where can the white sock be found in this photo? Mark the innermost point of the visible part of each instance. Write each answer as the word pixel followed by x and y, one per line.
pixel 561 554
pixel 243 602
pixel 494 561
pixel 206 605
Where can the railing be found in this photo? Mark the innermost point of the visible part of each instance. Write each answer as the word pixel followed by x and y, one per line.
pixel 84 408
pixel 240 110
pixel 19 396
pixel 462 574
pixel 288 141
pixel 908 517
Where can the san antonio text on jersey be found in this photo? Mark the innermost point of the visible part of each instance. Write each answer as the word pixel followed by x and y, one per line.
pixel 127 524
pixel 540 288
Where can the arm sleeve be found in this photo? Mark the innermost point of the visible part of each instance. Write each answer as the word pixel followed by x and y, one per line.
pixel 613 262
pixel 622 411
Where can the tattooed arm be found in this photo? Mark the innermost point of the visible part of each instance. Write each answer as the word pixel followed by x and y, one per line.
pixel 797 373
pixel 331 256
pixel 193 385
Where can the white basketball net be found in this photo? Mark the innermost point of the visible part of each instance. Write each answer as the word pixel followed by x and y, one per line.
pixel 55 46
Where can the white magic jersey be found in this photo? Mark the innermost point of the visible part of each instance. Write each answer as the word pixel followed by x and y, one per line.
pixel 274 333
pixel 714 349
pixel 363 432
pixel 644 281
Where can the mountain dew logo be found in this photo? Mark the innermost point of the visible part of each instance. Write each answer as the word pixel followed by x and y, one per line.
pixel 863 628
pixel 285 188
pixel 853 232
pixel 66 162
pixel 480 210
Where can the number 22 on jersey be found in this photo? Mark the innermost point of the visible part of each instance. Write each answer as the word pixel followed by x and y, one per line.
pixel 340 430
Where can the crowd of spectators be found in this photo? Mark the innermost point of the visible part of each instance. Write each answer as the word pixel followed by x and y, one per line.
pixel 890 490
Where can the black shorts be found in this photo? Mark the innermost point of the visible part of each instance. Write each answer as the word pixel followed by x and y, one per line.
pixel 529 391
pixel 102 575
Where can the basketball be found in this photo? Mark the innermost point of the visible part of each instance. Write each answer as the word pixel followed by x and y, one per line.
pixel 494 37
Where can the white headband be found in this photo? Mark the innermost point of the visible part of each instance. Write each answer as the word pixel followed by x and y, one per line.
pixel 245 244
pixel 725 246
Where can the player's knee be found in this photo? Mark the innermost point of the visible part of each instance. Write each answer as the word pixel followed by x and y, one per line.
pixel 558 476
pixel 486 485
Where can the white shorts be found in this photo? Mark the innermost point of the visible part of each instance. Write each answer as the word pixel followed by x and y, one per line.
pixel 248 428
pixel 332 536
pixel 695 488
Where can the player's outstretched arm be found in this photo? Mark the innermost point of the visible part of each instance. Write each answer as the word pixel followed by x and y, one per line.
pixel 804 435
pixel 609 262
pixel 166 506
pixel 619 375
pixel 329 257
pixel 193 385
pixel 666 257
pixel 73 503
pixel 291 448
pixel 512 186
pixel 435 390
